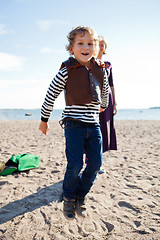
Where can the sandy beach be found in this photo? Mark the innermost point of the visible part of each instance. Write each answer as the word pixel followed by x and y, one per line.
pixel 124 202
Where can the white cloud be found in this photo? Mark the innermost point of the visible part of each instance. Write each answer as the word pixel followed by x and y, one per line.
pixel 51 50
pixel 2 29
pixel 46 24
pixel 9 62
pixel 23 92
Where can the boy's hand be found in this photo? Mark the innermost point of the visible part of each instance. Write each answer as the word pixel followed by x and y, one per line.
pixel 44 127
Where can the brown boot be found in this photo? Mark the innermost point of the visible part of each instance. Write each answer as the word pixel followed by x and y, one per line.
pixel 80 207
pixel 69 208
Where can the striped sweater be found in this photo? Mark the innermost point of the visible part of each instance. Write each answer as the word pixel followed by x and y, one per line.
pixel 86 113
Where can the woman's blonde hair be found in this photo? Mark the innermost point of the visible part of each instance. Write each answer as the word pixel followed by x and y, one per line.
pixel 80 30
pixel 101 38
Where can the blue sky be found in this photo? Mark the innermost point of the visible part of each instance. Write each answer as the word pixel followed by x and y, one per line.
pixel 33 39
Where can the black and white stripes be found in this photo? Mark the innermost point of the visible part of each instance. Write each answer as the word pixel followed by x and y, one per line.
pixel 86 113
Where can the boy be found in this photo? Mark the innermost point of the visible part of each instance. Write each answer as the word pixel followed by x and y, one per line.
pixel 86 94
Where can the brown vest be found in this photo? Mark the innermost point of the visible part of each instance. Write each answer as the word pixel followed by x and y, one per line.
pixel 83 86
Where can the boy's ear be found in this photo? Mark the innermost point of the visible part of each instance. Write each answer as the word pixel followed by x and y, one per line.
pixel 71 51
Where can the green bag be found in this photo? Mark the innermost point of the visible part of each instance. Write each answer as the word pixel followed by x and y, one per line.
pixel 20 162
pixel 8 170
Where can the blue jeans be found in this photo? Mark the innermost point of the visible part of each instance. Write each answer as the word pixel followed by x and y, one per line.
pixel 81 137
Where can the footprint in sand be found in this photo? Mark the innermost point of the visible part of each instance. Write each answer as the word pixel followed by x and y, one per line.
pixel 87 227
pixel 128 205
pixel 101 226
pixel 137 223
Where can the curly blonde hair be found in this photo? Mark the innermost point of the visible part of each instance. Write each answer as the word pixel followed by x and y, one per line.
pixel 80 30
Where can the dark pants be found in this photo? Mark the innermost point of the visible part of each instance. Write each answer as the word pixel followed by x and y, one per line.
pixel 79 137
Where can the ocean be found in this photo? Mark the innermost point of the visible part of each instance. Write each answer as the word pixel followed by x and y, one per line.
pixel 122 114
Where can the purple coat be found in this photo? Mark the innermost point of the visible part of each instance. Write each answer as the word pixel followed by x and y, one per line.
pixel 107 118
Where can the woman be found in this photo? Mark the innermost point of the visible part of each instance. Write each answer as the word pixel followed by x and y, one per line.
pixel 107 117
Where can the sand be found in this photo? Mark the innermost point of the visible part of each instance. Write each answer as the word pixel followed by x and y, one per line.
pixel 124 202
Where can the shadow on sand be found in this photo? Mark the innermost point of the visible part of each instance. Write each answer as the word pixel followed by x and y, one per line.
pixel 43 197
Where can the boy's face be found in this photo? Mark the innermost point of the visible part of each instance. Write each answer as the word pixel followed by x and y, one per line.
pixel 83 48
